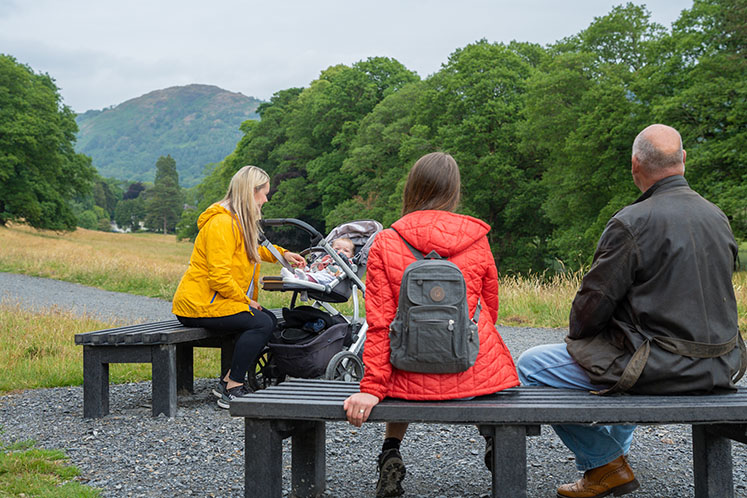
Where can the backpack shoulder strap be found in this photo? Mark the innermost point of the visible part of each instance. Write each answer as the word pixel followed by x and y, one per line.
pixel 415 252
pixel 418 255
pixel 434 255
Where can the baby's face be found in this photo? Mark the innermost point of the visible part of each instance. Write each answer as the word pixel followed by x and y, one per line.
pixel 342 247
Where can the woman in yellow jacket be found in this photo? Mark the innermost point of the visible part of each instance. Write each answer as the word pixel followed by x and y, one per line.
pixel 219 289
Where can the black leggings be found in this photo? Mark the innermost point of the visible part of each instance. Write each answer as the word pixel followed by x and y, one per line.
pixel 256 330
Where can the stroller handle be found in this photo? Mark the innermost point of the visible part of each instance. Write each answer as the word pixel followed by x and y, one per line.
pixel 276 222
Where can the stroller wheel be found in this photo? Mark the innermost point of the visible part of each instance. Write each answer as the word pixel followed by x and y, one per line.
pixel 266 373
pixel 345 366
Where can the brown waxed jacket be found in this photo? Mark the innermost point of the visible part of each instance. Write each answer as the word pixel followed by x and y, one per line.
pixel 661 284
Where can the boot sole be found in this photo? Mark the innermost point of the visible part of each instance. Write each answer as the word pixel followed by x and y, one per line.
pixel 626 488
pixel 620 490
pixel 390 479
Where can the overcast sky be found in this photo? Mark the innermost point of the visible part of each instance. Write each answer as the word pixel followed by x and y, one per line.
pixel 103 52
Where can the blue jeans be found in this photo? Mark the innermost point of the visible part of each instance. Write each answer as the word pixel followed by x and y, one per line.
pixel 593 445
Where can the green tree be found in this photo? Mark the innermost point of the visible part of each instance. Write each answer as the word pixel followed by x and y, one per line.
pixel 164 203
pixel 94 218
pixel 133 191
pixel 129 213
pixel 39 169
pixel 473 108
pixel 707 74
pixel 106 194
pixel 322 123
pixel 584 108
pixel 377 162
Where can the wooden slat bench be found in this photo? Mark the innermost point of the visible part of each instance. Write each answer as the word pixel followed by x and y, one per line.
pixel 167 345
pixel 300 408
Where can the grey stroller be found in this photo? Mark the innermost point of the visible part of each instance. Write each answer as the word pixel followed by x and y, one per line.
pixel 335 350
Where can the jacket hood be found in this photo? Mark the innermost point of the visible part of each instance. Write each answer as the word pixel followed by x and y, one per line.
pixel 446 233
pixel 208 214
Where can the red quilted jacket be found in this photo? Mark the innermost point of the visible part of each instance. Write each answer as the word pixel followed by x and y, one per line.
pixel 463 240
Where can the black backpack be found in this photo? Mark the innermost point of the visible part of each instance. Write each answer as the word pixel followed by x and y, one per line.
pixel 432 331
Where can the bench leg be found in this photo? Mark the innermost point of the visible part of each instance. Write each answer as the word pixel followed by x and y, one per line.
pixel 308 463
pixel 164 379
pixel 185 373
pixel 263 459
pixel 95 384
pixel 509 459
pixel 712 464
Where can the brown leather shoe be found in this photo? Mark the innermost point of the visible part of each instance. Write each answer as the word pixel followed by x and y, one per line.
pixel 615 478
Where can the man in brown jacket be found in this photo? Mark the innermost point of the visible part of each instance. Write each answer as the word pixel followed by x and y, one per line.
pixel 655 314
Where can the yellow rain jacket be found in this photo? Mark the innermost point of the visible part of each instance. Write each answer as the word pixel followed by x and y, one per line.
pixel 220 279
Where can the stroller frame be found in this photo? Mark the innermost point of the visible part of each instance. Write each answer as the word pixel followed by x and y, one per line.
pixel 346 364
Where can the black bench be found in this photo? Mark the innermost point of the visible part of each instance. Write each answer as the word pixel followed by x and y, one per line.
pixel 167 345
pixel 300 408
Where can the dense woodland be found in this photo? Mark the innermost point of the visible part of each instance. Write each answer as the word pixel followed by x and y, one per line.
pixel 543 135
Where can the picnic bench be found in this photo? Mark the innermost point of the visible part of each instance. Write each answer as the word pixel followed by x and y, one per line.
pixel 167 345
pixel 300 408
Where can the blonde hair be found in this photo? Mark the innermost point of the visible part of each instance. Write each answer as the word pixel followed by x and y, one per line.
pixel 239 200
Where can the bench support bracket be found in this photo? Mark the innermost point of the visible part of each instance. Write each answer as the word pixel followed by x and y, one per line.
pixel 509 458
pixel 712 464
pixel 308 459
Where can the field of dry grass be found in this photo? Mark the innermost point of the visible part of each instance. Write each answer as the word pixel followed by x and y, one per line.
pixel 37 348
pixel 152 264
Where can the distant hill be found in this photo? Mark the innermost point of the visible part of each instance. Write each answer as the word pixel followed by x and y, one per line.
pixel 196 124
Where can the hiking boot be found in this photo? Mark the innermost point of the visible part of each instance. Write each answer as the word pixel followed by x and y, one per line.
pixel 231 394
pixel 220 389
pixel 391 474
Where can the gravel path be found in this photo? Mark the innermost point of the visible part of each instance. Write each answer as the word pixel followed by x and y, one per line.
pixel 40 293
pixel 200 452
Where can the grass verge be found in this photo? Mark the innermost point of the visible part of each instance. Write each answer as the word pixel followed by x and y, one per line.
pixel 37 349
pixel 29 471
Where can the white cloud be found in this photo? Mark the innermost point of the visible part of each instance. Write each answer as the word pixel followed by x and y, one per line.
pixel 102 52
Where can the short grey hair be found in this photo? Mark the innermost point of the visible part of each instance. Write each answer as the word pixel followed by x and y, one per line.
pixel 653 158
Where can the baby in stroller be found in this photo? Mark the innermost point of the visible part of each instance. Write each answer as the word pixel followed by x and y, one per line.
pixel 324 270
pixel 334 352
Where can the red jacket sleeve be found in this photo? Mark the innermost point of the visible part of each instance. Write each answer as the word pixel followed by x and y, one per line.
pixel 489 296
pixel 381 306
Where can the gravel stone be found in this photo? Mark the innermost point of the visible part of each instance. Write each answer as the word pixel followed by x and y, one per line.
pixel 200 452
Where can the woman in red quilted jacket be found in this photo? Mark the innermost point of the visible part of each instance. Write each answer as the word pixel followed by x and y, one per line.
pixel 428 223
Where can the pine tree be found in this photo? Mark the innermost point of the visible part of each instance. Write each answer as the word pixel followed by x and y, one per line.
pixel 165 200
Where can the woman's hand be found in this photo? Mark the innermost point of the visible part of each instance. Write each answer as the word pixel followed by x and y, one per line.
pixel 254 304
pixel 296 260
pixel 358 407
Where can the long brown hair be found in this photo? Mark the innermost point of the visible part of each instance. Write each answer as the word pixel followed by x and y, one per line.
pixel 433 183
pixel 239 200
